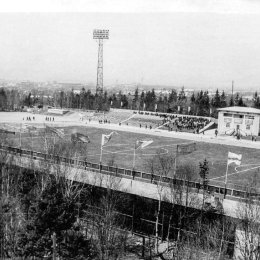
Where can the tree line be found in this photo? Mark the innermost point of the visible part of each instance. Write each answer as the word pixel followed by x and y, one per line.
pixel 199 103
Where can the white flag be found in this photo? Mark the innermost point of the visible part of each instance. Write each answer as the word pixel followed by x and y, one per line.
pixel 59 132
pixel 142 144
pixel 234 158
pixel 106 138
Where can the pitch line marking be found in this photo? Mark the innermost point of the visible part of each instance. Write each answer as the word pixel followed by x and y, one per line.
pixel 253 168
pixel 241 166
pixel 132 149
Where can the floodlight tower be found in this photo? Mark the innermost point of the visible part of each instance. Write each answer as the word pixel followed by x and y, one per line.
pixel 100 35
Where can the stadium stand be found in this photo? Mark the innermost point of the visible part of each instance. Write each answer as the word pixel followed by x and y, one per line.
pixel 172 122
pixel 148 121
pixel 190 124
pixel 114 116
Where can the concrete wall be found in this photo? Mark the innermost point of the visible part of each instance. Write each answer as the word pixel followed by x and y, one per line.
pixel 128 185
pixel 57 111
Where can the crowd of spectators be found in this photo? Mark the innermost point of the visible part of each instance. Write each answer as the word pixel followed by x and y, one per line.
pixel 176 122
pixel 191 123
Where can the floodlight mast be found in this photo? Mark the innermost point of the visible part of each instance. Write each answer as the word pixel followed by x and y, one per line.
pixel 100 35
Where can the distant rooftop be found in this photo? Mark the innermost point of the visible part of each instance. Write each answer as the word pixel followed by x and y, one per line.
pixel 249 110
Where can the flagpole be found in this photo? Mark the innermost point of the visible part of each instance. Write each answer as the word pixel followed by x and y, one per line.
pixel 31 139
pixel 175 163
pixel 101 150
pixel 134 159
pixel 54 140
pixel 175 166
pixel 45 139
pixel 226 180
pixel 20 136
pixel 100 159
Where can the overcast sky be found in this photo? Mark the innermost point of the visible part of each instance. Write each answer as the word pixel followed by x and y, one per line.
pixel 187 43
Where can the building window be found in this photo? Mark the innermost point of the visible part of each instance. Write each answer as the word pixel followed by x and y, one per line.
pixel 228 115
pixel 238 116
pixel 247 127
pixel 227 125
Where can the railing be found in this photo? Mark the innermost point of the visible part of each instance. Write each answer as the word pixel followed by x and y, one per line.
pixel 138 175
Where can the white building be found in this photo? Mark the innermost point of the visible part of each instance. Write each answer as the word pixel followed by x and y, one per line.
pixel 245 120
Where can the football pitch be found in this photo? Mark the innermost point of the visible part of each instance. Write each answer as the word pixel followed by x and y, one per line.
pixel 119 152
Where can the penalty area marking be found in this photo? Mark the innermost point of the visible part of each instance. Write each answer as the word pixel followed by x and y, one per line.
pixel 245 165
pixel 237 172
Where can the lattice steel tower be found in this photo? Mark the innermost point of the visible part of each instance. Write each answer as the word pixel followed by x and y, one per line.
pixel 100 35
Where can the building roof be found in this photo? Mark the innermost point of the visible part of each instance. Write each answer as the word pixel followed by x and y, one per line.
pixel 248 110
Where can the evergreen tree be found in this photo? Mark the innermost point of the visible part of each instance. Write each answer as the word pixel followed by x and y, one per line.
pixel 231 101
pixel 172 101
pixel 192 98
pixel 241 102
pixel 142 100
pixel 150 100
pixel 3 99
pixel 256 100
pixel 53 212
pixel 61 100
pixel 153 100
pixel 193 104
pixel 203 103
pixel 81 97
pixel 124 101
pixel 236 99
pixel 114 100
pixel 165 103
pixel 204 172
pixel 182 96
pixel 199 104
pixel 136 99
pixel 223 102
pixel 216 103
pixel 105 102
pixel 71 99
pixel 27 101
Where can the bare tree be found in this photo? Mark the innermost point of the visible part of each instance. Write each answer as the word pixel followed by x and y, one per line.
pixel 248 229
pixel 161 166
pixel 104 226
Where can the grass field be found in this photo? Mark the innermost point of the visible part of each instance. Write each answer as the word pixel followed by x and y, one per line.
pixel 120 150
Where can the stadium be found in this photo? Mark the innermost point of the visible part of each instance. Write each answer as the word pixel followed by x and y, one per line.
pixel 168 132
